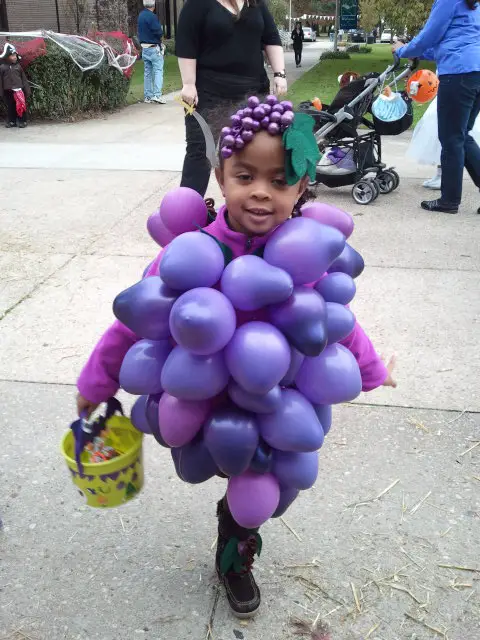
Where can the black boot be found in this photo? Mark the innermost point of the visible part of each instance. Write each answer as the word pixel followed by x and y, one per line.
pixel 437 205
pixel 236 548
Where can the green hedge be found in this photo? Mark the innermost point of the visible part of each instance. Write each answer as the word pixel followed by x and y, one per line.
pixel 335 55
pixel 63 91
pixel 356 48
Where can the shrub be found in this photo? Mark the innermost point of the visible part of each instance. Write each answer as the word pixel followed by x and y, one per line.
pixel 357 48
pixel 335 55
pixel 61 90
pixel 170 45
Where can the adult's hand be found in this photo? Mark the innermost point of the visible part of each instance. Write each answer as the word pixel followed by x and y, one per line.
pixel 189 94
pixel 280 86
pixel 397 45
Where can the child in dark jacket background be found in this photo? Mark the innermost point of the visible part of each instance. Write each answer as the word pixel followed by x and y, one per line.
pixel 14 87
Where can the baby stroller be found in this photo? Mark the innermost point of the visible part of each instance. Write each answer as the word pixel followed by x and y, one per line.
pixel 350 157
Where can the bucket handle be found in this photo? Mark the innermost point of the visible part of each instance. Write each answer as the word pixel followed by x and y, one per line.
pixel 84 431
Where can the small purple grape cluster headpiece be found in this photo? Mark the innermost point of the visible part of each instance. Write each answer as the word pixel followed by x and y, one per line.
pixel 276 118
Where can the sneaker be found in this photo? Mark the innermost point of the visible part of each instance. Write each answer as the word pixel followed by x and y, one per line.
pixel 148 100
pixel 11 125
pixel 236 550
pixel 437 205
pixel 159 100
pixel 22 125
pixel 434 183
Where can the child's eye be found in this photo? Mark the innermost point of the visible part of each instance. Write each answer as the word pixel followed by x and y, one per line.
pixel 244 177
pixel 279 182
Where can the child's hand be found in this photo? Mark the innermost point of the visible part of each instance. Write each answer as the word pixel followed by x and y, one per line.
pixel 84 405
pixel 389 381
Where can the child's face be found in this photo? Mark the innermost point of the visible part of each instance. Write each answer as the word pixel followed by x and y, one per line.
pixel 253 183
pixel 12 58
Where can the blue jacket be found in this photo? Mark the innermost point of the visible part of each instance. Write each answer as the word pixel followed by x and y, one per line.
pixel 451 37
pixel 149 28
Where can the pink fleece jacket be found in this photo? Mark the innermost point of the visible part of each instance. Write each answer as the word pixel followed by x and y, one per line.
pixel 98 380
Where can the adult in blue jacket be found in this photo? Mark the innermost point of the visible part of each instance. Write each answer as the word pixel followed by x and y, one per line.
pixel 150 35
pixel 451 37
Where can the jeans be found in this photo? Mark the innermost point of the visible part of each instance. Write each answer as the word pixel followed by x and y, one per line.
pixel 298 56
pixel 9 99
pixel 196 166
pixel 458 108
pixel 153 79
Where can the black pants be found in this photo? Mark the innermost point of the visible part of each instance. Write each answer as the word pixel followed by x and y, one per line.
pixel 9 99
pixel 298 56
pixel 458 107
pixel 196 167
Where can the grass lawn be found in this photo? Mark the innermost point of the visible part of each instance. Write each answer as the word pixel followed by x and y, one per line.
pixel 322 79
pixel 171 79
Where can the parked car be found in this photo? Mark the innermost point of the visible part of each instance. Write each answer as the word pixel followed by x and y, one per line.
pixel 387 36
pixel 309 34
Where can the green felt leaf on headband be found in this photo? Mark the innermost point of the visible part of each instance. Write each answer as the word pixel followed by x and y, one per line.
pixel 302 154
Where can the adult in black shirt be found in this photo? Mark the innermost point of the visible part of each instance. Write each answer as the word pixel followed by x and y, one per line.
pixel 219 45
pixel 298 38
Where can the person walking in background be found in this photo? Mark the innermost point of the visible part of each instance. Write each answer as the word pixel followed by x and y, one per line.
pixel 298 37
pixel 150 35
pixel 14 87
pixel 219 45
pixel 451 37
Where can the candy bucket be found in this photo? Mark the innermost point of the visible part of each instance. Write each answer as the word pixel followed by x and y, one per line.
pixel 116 481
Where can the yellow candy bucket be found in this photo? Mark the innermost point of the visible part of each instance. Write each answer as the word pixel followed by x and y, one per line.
pixel 116 481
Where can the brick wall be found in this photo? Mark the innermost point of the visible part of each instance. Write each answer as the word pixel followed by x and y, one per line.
pixel 29 15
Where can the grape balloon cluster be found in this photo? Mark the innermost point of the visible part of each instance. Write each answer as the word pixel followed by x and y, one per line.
pixel 238 365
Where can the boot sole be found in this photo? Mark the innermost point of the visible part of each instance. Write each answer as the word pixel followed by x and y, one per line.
pixel 241 615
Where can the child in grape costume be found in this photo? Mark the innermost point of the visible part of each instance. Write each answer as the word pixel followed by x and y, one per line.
pixel 237 340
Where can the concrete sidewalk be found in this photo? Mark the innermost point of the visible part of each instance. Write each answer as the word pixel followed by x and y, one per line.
pixel 397 495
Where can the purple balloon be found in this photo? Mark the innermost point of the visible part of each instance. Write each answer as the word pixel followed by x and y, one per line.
pixel 287 496
pixel 294 426
pixel 250 283
pixel 192 260
pixel 190 377
pixel 258 356
pixel 295 363
pixel 329 215
pixel 158 231
pixel 252 402
pixel 349 262
pixel 231 436
pixel 141 368
pixel 193 462
pixel 337 287
pixel 296 470
pixel 330 378
pixel 203 320
pixel 145 308
pixel 324 414
pixel 181 420
pixel 340 322
pixel 138 415
pixel 152 417
pixel 183 209
pixel 304 248
pixel 303 319
pixel 252 498
pixel 262 458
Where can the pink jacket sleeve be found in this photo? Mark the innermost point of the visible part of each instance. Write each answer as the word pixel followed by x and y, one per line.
pixel 371 366
pixel 98 380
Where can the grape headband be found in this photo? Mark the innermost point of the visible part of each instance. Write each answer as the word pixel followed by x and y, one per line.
pixel 277 118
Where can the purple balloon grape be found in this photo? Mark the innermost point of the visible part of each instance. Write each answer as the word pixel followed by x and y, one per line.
pixel 275 117
pixel 278 108
pixel 138 415
pixel 252 498
pixel 259 113
pixel 262 459
pixel 304 248
pixel 228 141
pixel 296 361
pixel 152 417
pixel 140 373
pixel 145 308
pixel 349 262
pixel 273 128
pixel 253 102
pixel 226 153
pixel 287 105
pixel 271 100
pixel 337 287
pixel 287 118
pixel 181 420
pixel 256 126
pixel 295 470
pixel 226 131
pixel 193 462
pixel 239 143
pixel 329 215
pixel 250 283
pixel 258 357
pixel 303 320
pixel 191 377
pixel 247 112
pixel 231 436
pixel 340 322
pixel 247 123
pixel 252 402
pixel 331 378
pixel 236 120
pixel 287 496
pixel 294 426
pixel 192 260
pixel 203 320
pixel 267 108
pixel 158 231
pixel 247 136
pixel 183 209
pixel 265 122
pixel 324 414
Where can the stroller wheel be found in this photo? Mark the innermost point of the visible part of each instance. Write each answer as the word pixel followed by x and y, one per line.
pixel 386 182
pixel 396 177
pixel 364 192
